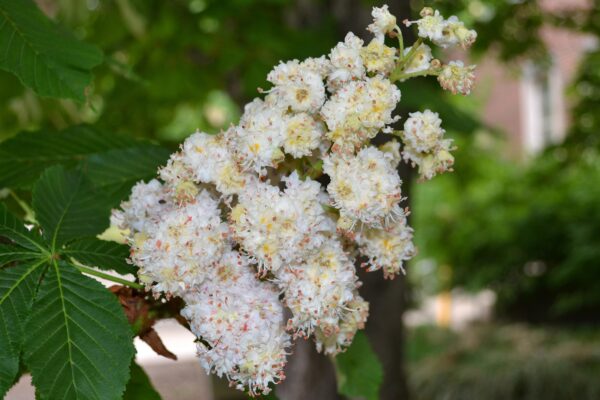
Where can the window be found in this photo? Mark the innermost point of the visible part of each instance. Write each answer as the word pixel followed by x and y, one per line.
pixel 543 106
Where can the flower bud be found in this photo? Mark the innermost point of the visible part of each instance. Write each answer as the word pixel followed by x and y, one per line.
pixel 426 12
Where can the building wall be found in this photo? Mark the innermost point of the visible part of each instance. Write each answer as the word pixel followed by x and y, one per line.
pixel 527 102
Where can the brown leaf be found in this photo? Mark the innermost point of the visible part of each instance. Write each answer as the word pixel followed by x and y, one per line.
pixel 142 311
pixel 156 344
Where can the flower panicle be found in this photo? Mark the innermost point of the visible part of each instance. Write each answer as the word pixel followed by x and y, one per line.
pixel 241 226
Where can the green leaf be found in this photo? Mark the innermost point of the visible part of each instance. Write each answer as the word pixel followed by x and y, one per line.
pixel 44 57
pixel 116 171
pixel 359 371
pixel 139 386
pixel 17 287
pixel 101 254
pixel 67 207
pixel 78 344
pixel 10 253
pixel 113 163
pixel 25 156
pixel 13 229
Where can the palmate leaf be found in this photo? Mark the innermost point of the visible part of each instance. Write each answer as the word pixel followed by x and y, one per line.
pixel 74 338
pixel 67 207
pixel 78 344
pixel 17 287
pixel 44 57
pixel 13 229
pixel 139 386
pixel 101 254
pixel 10 253
pixel 359 371
pixel 24 157
pixel 116 171
pixel 113 163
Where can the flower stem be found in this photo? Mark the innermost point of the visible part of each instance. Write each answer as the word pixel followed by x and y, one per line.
pixel 403 61
pixel 91 271
pixel 397 74
pixel 29 213
pixel 400 43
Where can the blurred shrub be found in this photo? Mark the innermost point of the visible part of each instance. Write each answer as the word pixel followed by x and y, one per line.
pixel 586 91
pixel 530 233
pixel 508 362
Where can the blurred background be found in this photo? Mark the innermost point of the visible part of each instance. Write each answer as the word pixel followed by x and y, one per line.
pixel 503 299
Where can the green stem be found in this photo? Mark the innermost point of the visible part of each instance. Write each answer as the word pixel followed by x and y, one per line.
pixel 403 61
pixel 397 75
pixel 29 213
pixel 91 271
pixel 400 43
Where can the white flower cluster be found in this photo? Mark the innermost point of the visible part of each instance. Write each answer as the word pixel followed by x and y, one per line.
pixel 445 33
pixel 271 217
pixel 365 187
pixel 388 248
pixel 238 320
pixel 183 248
pixel 280 227
pixel 424 144
pixel 456 77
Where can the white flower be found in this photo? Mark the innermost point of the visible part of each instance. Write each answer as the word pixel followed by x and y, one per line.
pixel 420 60
pixel 431 25
pixel 424 144
pixel 147 204
pixel 423 131
pixel 258 138
pixel 206 158
pixel 317 290
pixel 392 150
pixel 319 65
pixel 455 33
pixel 346 63
pixel 365 187
pixel 298 86
pixel 303 134
pixel 352 320
pixel 457 78
pixel 388 248
pixel 383 22
pixel 443 32
pixel 177 253
pixel 176 173
pixel 358 111
pixel 278 228
pixel 239 322
pixel 431 164
pixel 379 58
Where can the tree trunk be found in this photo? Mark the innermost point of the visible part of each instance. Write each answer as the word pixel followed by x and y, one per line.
pixel 385 330
pixel 310 375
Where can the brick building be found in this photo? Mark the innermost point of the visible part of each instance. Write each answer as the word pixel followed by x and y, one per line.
pixel 527 101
